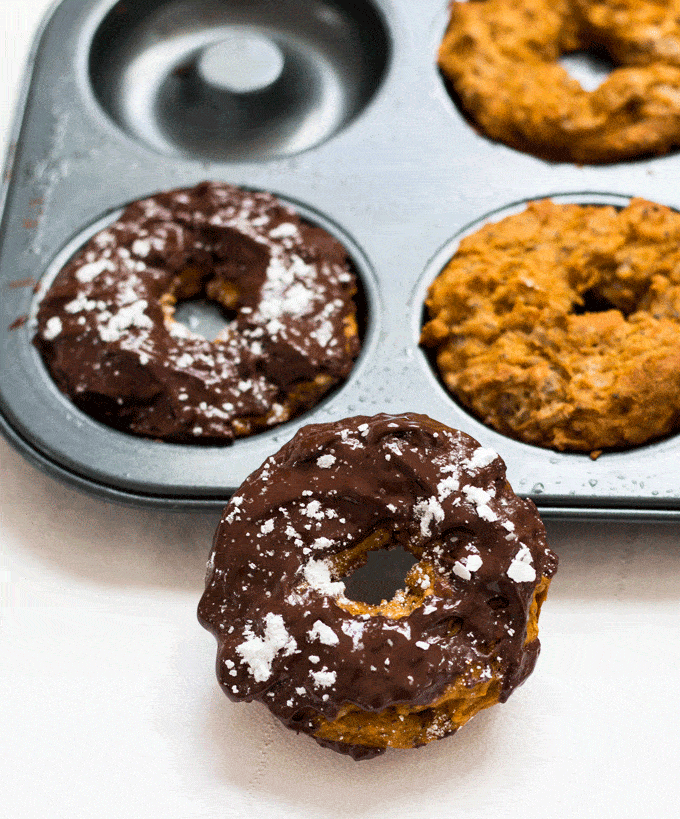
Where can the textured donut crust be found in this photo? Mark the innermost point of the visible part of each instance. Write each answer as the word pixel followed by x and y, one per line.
pixel 360 678
pixel 518 342
pixel 107 333
pixel 404 726
pixel 501 59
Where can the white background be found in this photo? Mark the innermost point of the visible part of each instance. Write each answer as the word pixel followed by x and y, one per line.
pixel 109 705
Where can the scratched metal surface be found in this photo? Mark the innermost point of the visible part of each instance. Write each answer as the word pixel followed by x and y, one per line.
pixel 373 149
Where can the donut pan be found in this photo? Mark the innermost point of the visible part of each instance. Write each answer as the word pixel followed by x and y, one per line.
pixel 338 108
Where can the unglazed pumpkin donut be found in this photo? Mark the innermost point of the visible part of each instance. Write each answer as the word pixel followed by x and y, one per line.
pixel 560 326
pixel 108 337
pixel 360 678
pixel 501 59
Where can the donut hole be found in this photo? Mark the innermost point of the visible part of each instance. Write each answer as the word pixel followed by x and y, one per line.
pixel 204 317
pixel 206 295
pixel 381 576
pixel 589 67
pixel 594 301
pixel 203 304
pixel 607 295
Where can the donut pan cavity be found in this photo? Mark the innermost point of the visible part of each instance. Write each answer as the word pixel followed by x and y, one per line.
pixel 337 107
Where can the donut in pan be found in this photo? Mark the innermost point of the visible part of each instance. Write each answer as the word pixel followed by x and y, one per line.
pixel 501 59
pixel 560 325
pixel 107 333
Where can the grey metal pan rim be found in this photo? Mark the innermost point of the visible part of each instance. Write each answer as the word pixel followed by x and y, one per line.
pixel 138 500
pixel 47 421
pixel 395 172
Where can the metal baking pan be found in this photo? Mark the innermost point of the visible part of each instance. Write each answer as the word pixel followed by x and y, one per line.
pixel 341 112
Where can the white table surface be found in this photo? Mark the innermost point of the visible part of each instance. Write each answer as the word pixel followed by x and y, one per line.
pixel 109 705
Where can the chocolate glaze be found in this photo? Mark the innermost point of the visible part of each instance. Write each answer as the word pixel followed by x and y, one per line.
pixel 114 349
pixel 273 607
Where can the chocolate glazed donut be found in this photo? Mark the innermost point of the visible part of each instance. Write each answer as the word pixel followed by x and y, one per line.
pixel 460 636
pixel 108 337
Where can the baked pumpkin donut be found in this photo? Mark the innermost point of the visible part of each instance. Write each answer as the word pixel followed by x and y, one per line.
pixel 359 678
pixel 501 59
pixel 560 325
pixel 108 337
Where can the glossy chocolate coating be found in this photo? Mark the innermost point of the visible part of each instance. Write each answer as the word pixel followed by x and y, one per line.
pixel 277 612
pixel 107 336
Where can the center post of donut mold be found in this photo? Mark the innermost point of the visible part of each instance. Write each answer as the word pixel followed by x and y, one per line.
pixel 241 63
